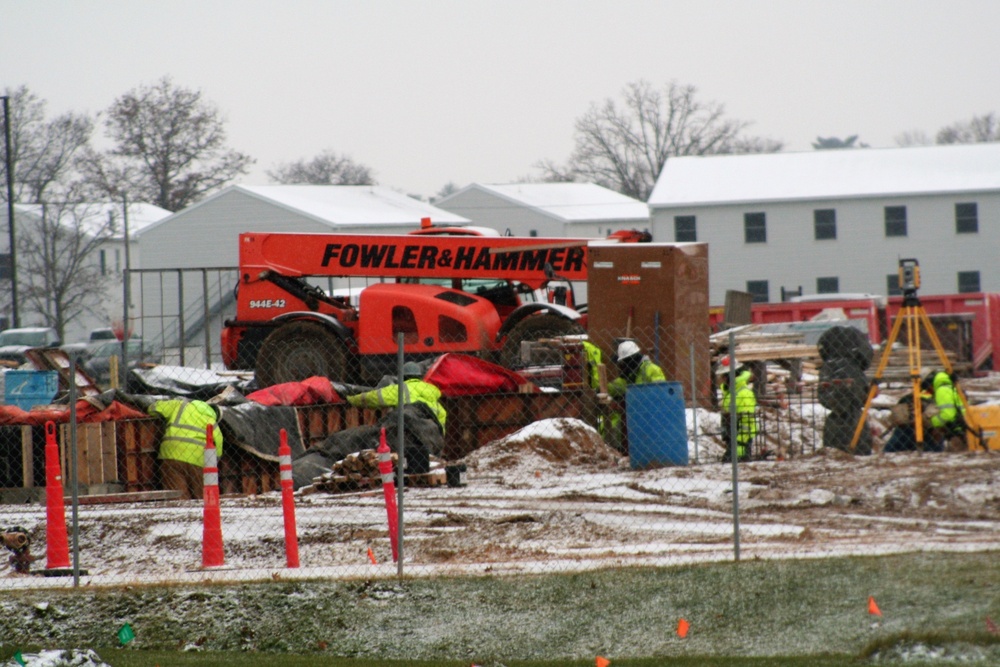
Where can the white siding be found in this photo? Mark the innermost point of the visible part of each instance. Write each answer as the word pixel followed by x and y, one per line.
pixel 488 210
pixel 861 256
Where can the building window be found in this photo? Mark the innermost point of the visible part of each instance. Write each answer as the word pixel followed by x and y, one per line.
pixel 532 232
pixel 967 218
pixel 685 229
pixel 754 228
pixel 968 281
pixel 830 285
pixel 892 285
pixel 825 223
pixel 759 290
pixel 104 262
pixel 895 221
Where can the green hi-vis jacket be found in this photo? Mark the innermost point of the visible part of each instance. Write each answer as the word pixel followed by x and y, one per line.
pixel 417 391
pixel 184 437
pixel 948 402
pixel 746 408
pixel 648 373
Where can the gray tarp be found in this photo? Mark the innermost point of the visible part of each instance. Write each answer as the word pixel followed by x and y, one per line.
pixel 421 437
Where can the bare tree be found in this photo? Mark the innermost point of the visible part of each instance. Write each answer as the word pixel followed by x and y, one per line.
pixel 913 138
pixel 62 275
pixel 624 147
pixel 172 145
pixel 44 151
pixel 446 190
pixel 980 129
pixel 327 168
pixel 832 143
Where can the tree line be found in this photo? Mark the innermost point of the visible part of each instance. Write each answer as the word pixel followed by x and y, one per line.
pixel 168 147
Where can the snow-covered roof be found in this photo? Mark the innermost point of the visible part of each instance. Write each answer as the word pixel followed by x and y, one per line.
pixel 352 204
pixel 570 202
pixel 827 174
pixel 93 217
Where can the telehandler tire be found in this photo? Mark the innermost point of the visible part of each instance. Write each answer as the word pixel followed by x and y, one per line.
pixel 300 350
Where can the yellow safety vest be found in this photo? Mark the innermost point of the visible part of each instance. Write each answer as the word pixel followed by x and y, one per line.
pixel 184 437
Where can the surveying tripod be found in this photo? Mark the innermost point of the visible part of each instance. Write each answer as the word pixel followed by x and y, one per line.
pixel 913 315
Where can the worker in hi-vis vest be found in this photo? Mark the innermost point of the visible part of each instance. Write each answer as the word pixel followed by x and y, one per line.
pixel 182 450
pixel 416 389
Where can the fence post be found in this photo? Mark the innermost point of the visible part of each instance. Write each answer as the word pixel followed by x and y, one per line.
pixel 205 325
pixel 180 313
pixel 401 480
pixel 732 444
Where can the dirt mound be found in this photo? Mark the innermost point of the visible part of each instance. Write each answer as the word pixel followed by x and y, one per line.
pixel 550 443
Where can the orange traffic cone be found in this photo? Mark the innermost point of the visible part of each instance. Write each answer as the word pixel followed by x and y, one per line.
pixel 212 554
pixel 601 662
pixel 872 607
pixel 56 540
pixel 682 628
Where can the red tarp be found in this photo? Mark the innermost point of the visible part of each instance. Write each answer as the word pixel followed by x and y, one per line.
pixel 310 391
pixel 464 375
pixel 85 412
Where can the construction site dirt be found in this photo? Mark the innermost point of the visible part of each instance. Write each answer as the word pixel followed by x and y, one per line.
pixel 554 498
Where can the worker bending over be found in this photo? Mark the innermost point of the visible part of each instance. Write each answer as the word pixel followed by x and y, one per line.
pixel 948 426
pixel 415 390
pixel 182 450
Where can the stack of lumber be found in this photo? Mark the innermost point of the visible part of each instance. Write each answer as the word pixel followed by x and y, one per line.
pixel 754 345
pixel 359 472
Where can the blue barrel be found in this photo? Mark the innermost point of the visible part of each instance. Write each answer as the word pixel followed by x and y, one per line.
pixel 657 427
pixel 26 389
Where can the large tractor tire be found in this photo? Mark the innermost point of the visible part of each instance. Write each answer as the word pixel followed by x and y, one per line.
pixel 535 327
pixel 300 350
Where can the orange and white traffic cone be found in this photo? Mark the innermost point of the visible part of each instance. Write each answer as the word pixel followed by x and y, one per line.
pixel 389 491
pixel 212 554
pixel 56 540
pixel 288 501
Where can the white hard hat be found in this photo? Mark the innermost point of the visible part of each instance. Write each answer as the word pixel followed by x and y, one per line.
pixel 628 349
pixel 723 368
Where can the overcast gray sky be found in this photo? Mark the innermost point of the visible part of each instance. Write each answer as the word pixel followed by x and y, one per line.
pixel 480 90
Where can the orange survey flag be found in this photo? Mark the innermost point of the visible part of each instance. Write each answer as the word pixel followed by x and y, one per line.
pixel 872 607
pixel 682 628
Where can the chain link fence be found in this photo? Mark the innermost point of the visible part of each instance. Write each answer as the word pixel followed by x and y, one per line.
pixel 555 452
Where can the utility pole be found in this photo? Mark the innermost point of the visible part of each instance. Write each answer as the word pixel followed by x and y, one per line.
pixel 9 163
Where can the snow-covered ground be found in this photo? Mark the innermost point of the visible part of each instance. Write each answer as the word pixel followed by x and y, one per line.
pixel 553 497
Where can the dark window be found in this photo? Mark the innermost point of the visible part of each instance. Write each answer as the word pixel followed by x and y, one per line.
pixel 685 229
pixel 456 298
pixel 895 221
pixel 892 285
pixel 104 263
pixel 404 322
pixel 825 223
pixel 754 228
pixel 759 290
pixel 967 218
pixel 968 281
pixel 5 266
pixel 827 285
pixel 451 330
pixel 533 232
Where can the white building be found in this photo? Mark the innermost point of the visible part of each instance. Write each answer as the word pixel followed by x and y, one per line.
pixel 837 220
pixel 105 220
pixel 192 255
pixel 548 209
